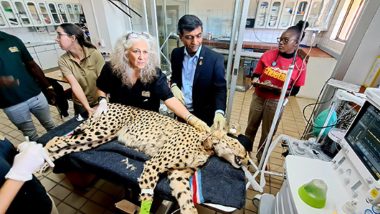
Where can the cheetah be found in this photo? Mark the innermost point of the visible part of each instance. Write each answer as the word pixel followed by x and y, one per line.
pixel 174 148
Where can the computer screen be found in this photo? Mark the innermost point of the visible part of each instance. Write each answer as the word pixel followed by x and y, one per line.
pixel 364 137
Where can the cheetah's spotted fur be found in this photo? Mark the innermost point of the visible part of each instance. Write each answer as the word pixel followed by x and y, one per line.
pixel 174 147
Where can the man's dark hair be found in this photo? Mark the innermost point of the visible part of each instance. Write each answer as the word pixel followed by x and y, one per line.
pixel 188 23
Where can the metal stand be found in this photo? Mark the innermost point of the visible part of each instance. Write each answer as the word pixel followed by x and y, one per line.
pixel 171 34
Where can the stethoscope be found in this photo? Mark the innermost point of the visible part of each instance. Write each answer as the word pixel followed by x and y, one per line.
pixel 274 63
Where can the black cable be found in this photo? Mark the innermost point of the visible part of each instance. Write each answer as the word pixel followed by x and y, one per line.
pixel 338 121
pixel 316 103
pixel 130 8
pixel 120 8
pixel 318 98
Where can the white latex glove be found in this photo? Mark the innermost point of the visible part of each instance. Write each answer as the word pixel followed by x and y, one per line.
pixel 219 121
pixel 178 94
pixel 32 156
pixel 102 108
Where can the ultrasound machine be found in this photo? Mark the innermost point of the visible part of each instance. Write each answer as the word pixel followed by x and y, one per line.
pixel 351 177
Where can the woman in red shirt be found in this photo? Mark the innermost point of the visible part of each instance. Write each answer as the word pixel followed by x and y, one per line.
pixel 271 72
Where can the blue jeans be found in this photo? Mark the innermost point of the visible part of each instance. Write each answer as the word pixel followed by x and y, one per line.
pixel 20 115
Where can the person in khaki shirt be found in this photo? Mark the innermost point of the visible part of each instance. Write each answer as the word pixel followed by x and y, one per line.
pixel 81 65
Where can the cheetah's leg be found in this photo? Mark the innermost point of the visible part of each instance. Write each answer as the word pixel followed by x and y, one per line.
pixel 90 137
pixel 96 137
pixel 149 178
pixel 180 185
pixel 94 129
pixel 148 181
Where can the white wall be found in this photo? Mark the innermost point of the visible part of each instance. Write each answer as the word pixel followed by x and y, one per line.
pixel 106 23
pixel 331 46
pixel 365 55
pixel 318 71
pixel 216 15
pixel 262 35
pixel 252 9
pixel 138 23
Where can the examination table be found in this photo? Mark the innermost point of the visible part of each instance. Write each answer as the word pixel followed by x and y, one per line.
pixel 220 182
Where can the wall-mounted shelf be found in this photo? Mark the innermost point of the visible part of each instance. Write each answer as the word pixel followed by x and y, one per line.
pixel 281 14
pixel 10 13
pixel 287 14
pixel 70 12
pixel 301 12
pixel 54 13
pixel 326 14
pixel 62 12
pixel 35 14
pixel 274 14
pixel 45 15
pixel 3 21
pixel 262 13
pixel 77 12
pixel 22 13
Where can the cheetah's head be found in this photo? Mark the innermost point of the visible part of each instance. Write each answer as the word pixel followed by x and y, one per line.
pixel 227 148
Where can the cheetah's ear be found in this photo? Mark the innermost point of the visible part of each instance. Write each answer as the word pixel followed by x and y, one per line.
pixel 208 142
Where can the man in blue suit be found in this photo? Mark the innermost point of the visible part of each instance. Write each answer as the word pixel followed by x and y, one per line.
pixel 198 74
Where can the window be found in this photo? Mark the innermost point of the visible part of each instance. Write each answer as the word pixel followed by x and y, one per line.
pixel 347 19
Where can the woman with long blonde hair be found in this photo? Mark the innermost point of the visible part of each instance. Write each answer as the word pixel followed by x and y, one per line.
pixel 132 77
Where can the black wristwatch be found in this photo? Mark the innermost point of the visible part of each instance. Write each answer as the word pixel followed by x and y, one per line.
pixel 101 97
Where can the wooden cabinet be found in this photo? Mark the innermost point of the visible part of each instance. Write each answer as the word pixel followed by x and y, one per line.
pixel 9 13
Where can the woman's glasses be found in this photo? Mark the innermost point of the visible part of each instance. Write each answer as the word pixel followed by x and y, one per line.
pixel 59 35
pixel 284 40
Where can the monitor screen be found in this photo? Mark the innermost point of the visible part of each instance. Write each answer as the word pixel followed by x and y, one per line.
pixel 364 137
